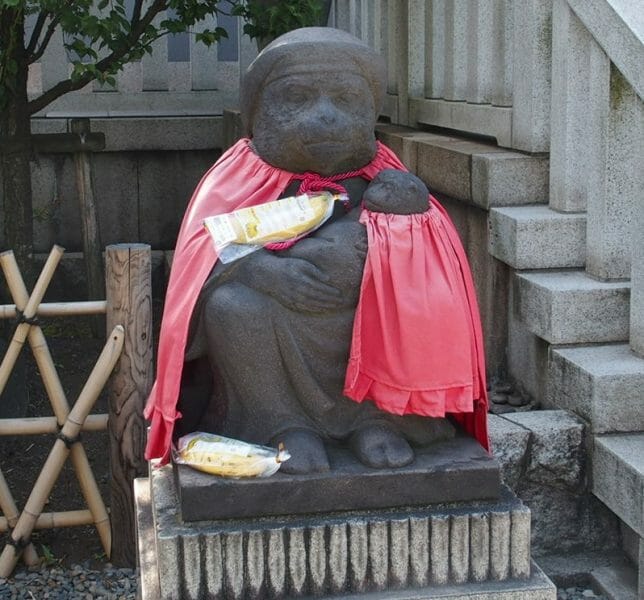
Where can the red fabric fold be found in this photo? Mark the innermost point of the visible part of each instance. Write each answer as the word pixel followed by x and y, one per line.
pixel 240 178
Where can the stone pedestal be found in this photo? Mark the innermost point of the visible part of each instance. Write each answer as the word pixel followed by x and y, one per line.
pixel 475 549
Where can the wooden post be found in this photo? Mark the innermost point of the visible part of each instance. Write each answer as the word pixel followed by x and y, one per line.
pixel 89 220
pixel 129 303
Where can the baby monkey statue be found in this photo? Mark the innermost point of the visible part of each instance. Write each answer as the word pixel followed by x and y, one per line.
pixel 365 332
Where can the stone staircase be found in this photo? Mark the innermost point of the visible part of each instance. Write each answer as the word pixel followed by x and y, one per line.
pixel 567 333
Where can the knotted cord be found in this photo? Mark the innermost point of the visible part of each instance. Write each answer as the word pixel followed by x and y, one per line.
pixel 314 182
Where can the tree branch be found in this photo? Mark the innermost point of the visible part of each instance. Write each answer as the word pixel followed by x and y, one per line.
pixel 136 12
pixel 35 34
pixel 67 85
pixel 45 41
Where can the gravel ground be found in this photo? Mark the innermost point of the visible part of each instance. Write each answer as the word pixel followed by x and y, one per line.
pixel 77 583
pixel 80 583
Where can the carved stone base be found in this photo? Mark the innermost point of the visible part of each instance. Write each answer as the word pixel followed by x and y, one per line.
pixel 478 550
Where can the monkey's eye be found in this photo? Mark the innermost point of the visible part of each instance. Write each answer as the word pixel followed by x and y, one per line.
pixel 298 95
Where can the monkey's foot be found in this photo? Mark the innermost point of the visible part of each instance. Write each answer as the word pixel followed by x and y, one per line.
pixel 379 446
pixel 307 452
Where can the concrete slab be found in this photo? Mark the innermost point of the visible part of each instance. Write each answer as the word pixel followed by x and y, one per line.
pixel 456 470
pixel 536 237
pixel 618 476
pixel 602 384
pixel 568 307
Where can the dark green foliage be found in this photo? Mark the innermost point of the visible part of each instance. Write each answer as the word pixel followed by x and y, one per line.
pixel 268 20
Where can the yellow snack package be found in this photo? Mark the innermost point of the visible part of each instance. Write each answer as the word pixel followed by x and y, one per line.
pixel 226 457
pixel 245 230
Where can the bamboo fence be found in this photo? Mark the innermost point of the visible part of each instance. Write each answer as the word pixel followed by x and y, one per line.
pixel 67 423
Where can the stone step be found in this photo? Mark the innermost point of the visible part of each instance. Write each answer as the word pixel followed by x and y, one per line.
pixel 615 582
pixel 480 173
pixel 536 237
pixel 602 384
pixel 568 307
pixel 618 476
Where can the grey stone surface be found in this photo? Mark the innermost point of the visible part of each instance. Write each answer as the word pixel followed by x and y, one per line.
pixel 479 547
pixel 520 544
pixel 536 237
pixel 432 477
pixel 371 550
pixel 509 443
pixel 338 557
pixel 618 476
pixel 618 25
pixel 616 182
pixel 146 557
pixel 491 121
pixel 640 570
pixel 556 451
pixel 569 307
pixel 499 545
pixel 162 197
pixel 527 355
pixel 637 279
pixel 446 165
pixel 399 553
pixel 378 567
pixel 419 551
pixel 603 384
pixel 616 582
pixel 580 72
pixel 189 133
pixel 531 91
pixel 508 179
pixel 459 548
pixel 276 563
pixel 439 549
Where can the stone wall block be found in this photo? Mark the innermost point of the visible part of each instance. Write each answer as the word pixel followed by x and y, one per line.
pixel 338 557
pixel 556 457
pixel 499 546
pixel 317 559
pixel 378 554
pixel 509 445
pixel 255 561
pixel 276 563
pixel 459 548
pixel 398 553
pixel 479 547
pixel 214 573
pixel 192 567
pixel 439 549
pixel 358 555
pixel 419 551
pixel 520 544
pixel 296 561
pixel 234 565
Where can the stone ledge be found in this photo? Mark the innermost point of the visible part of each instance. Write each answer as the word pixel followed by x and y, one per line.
pixel 568 307
pixel 453 471
pixel 480 173
pixel 602 384
pixel 616 582
pixel 145 131
pixel 618 476
pixel 536 237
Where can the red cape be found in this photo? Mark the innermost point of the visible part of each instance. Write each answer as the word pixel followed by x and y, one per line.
pixel 240 178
